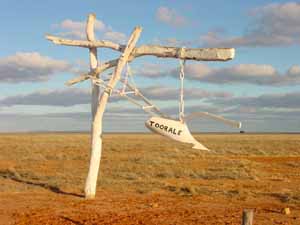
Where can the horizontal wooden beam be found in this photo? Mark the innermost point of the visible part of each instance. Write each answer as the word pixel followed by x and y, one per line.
pixel 198 54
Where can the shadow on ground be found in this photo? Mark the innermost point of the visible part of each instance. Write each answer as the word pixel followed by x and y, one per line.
pixel 13 175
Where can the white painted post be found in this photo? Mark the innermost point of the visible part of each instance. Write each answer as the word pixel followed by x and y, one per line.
pixel 95 140
pixel 90 34
pixel 91 181
pixel 247 217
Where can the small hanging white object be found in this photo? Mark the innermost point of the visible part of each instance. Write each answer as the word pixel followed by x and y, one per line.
pixel 173 129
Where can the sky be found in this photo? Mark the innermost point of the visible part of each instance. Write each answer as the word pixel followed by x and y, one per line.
pixel 260 87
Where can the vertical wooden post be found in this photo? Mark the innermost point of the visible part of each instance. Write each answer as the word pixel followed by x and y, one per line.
pixel 95 139
pixel 247 217
pixel 91 181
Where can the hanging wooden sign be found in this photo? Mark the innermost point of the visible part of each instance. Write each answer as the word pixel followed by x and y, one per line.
pixel 173 129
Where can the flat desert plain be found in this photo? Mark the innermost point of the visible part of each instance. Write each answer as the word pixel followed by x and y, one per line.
pixel 147 179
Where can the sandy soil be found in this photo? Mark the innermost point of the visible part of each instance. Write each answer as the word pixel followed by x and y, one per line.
pixel 146 179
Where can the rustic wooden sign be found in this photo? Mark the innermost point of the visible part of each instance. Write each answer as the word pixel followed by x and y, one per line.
pixel 176 130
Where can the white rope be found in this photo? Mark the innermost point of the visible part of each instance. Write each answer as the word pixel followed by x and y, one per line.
pixel 131 78
pixel 181 103
pixel 125 80
pixel 181 76
pixel 149 104
pixel 147 108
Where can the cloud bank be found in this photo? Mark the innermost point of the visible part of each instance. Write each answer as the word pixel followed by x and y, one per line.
pixel 30 67
pixel 76 29
pixel 256 74
pixel 272 25
pixel 60 97
pixel 76 96
pixel 272 101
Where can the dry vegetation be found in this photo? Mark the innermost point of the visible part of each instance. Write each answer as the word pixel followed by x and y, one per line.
pixel 143 175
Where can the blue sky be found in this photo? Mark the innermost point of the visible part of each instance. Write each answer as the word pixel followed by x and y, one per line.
pixel 260 86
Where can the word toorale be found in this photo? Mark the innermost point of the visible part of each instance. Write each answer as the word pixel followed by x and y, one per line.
pixel 166 128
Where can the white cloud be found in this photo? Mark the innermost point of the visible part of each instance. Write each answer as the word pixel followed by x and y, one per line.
pixel 115 36
pixel 30 67
pixel 273 24
pixel 170 17
pixel 294 70
pixel 76 29
pixel 151 70
pixel 77 25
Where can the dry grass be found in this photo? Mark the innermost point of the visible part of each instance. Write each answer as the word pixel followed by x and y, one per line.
pixel 241 167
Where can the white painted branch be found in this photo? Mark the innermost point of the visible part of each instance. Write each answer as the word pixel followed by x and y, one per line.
pixel 90 34
pixel 96 141
pixel 91 182
pixel 84 43
pixel 199 54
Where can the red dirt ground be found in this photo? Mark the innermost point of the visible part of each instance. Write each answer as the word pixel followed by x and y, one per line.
pixel 40 187
pixel 113 208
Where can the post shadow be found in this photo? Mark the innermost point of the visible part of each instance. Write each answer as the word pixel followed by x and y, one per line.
pixel 7 174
